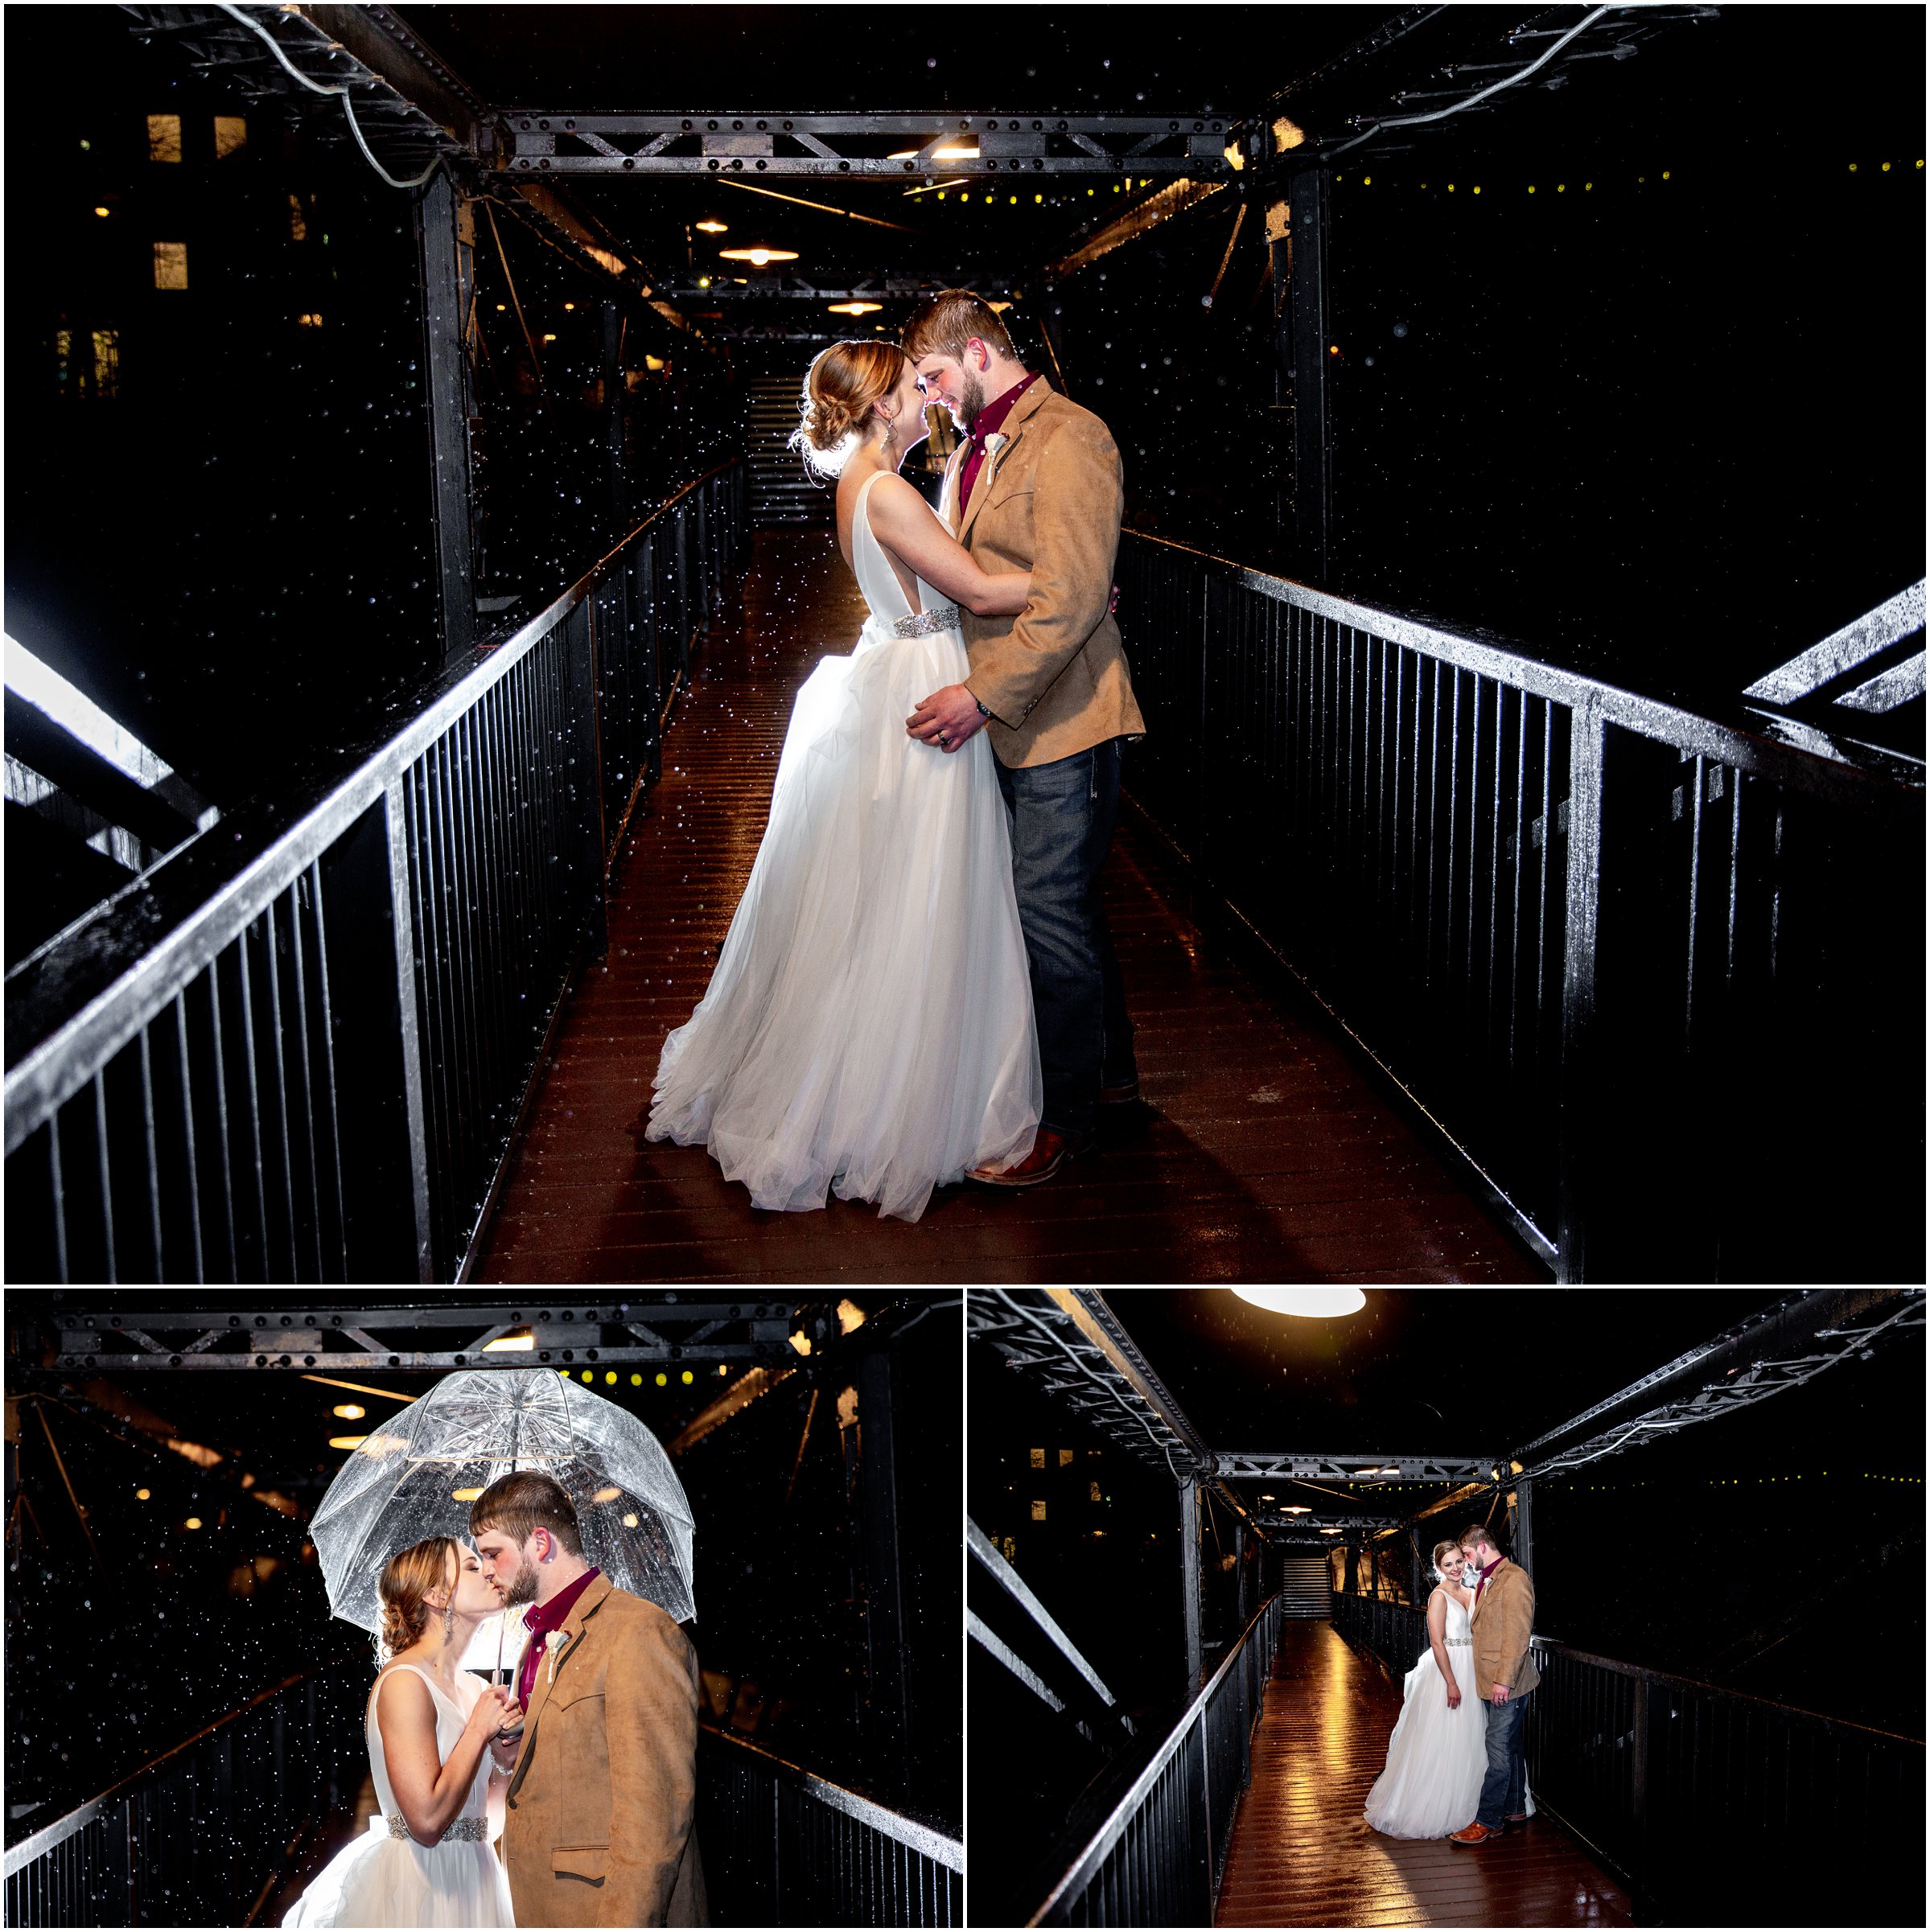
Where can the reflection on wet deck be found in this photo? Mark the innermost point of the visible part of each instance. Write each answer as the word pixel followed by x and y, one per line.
pixel 1303 1853
pixel 1261 1152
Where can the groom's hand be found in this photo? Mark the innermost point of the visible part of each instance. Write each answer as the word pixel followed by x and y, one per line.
pixel 1501 1693
pixel 948 718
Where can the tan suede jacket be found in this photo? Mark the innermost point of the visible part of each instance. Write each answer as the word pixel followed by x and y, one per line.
pixel 1048 500
pixel 1504 1621
pixel 600 1826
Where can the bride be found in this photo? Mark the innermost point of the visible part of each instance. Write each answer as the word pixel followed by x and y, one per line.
pixel 1437 1754
pixel 427 1858
pixel 868 1027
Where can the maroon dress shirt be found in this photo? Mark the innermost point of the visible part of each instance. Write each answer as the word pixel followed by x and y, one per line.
pixel 985 423
pixel 541 1618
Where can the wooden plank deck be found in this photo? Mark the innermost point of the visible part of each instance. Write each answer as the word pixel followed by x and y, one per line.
pixel 1261 1153
pixel 1304 1853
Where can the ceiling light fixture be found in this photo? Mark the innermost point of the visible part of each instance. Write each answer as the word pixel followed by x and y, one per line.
pixel 942 153
pixel 508 1345
pixel 713 227
pixel 856 308
pixel 758 257
pixel 1305 1302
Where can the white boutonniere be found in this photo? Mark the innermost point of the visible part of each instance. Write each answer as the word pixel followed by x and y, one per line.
pixel 994 443
pixel 555 1640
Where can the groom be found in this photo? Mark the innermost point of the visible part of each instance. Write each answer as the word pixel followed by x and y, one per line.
pixel 603 1790
pixel 1037 485
pixel 1504 1673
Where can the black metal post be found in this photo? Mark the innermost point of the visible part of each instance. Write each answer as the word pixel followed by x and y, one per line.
pixel 615 401
pixel 1416 1580
pixel 1352 1585
pixel 1189 1578
pixel 444 274
pixel 1524 1550
pixel 1307 198
pixel 884 1615
pixel 1240 1575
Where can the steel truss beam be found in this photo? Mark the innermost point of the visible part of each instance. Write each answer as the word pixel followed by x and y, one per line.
pixel 1368 1471
pixel 552 141
pixel 1314 1525
pixel 1071 1346
pixel 1790 1343
pixel 656 1329
pixel 401 135
pixel 872 288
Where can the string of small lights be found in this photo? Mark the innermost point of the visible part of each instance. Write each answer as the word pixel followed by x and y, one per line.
pixel 1587 187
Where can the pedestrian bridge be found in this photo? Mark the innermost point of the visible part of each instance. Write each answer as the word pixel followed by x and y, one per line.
pixel 1415 927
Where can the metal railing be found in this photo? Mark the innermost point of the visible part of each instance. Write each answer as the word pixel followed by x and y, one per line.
pixel 783 1847
pixel 1158 1859
pixel 1695 1797
pixel 195 1835
pixel 298 1052
pixel 1551 907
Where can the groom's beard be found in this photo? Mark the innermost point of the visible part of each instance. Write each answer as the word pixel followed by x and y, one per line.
pixel 523 1590
pixel 971 400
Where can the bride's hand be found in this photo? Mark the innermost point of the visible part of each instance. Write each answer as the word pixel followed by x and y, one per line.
pixel 1453 1697
pixel 485 1719
pixel 510 1726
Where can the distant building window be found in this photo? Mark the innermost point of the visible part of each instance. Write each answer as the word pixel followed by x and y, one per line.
pixel 310 322
pixel 298 223
pixel 231 135
pixel 1038 1512
pixel 1065 1456
pixel 64 350
pixel 1038 1459
pixel 107 364
pixel 1097 1497
pixel 170 264
pixel 164 137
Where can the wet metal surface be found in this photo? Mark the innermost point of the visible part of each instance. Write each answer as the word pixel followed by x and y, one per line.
pixel 1262 1152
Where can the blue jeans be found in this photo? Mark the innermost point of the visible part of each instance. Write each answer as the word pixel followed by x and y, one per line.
pixel 1061 816
pixel 1504 1790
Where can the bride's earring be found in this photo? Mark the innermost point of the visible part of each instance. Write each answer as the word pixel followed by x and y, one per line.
pixel 449 1623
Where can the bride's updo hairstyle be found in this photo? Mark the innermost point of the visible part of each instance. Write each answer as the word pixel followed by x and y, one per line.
pixel 1449 1548
pixel 407 1578
pixel 840 386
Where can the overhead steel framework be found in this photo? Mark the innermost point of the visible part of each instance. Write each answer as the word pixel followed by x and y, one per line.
pixel 646 1329
pixel 1368 1472
pixel 553 141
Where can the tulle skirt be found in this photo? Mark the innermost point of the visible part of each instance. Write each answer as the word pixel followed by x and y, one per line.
pixel 1436 1758
pixel 381 1880
pixel 868 1029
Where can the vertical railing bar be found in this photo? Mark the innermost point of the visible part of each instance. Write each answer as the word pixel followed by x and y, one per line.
pixel 462 968
pixel 277 1033
pixel 1514 953
pixel 302 887
pixel 399 895
pixel 254 1093
pixel 1494 849
pixel 154 1162
pixel 1735 864
pixel 334 1125
pixel 228 1170
pixel 107 1186
pixel 1548 840
pixel 499 823
pixel 187 1131
pixel 1588 746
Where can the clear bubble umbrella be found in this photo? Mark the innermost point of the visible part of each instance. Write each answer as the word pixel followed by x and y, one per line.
pixel 416 1476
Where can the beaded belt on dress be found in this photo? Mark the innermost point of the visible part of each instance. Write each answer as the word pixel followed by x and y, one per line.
pixel 926 622
pixel 476 1828
pixel 1460 1643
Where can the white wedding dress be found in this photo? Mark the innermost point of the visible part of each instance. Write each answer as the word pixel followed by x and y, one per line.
pixel 868 1029
pixel 384 1880
pixel 1436 1758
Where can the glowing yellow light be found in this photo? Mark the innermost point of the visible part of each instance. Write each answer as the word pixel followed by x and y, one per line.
pixel 759 257
pixel 569 305
pixel 1853 168
pixel 1665 171
pixel 713 227
pixel 1450 188
pixel 687 1376
pixel 1477 191
pixel 610 1374
pixel 636 1382
pixel 1561 187
pixel 606 1495
pixel 1367 181
pixel 502 308
pixel 588 1376
pixel 464 1495
pixel 941 193
pixel 703 282
pixel 799 1341
pixel 630 1521
pixel 1886 170
pixel 1530 185
pixel 346 1442
pixel 101 213
pixel 942 153
pixel 663 1381
pixel 654 363
pixel 1334 349
pixel 856 308
pixel 193 1523
pixel 504 1345
pixel 1039 200
pixel 143 1495
pixel 349 1411
pixel 1587 186
pixel 549 339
